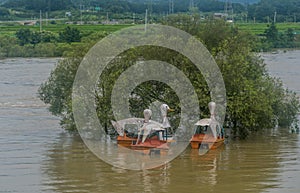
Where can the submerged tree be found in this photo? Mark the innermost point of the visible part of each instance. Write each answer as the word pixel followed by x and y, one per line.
pixel 275 39
pixel 69 35
pixel 255 100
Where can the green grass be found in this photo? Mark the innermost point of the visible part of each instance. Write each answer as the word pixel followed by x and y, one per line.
pixel 259 28
pixel 11 30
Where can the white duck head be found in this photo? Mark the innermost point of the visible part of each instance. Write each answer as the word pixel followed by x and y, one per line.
pixel 164 108
pixel 212 109
pixel 147 115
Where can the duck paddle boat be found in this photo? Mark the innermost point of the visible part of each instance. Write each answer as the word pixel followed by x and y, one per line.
pixel 208 132
pixel 143 134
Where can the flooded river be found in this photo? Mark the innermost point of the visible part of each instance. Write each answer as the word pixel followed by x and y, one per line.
pixel 36 155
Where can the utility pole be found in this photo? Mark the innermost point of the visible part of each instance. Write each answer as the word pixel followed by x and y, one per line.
pixel 192 5
pixel 146 18
pixel 150 7
pixel 228 9
pixel 231 9
pixel 275 15
pixel 171 6
pixel 133 18
pixel 40 20
pixel 49 11
pixel 46 18
pixel 80 7
pixel 247 4
pixel 107 19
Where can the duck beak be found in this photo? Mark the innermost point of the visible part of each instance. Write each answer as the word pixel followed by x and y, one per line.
pixel 171 110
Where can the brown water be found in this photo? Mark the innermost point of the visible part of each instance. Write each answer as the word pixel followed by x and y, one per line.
pixel 36 155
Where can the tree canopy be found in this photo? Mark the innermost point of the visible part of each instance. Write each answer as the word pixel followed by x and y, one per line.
pixel 69 35
pixel 255 100
pixel 37 5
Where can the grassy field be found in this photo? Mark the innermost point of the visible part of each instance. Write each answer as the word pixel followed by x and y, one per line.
pixel 10 46
pixel 257 28
pixel 11 30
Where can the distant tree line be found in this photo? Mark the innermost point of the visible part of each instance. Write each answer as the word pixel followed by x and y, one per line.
pixel 275 10
pixel 37 5
pixel 262 11
pixel 114 6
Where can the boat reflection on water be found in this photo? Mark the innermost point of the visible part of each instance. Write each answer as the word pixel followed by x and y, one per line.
pixel 254 165
pixel 209 163
pixel 71 167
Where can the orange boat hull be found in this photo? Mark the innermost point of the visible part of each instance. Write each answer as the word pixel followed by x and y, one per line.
pixel 125 141
pixel 151 143
pixel 207 140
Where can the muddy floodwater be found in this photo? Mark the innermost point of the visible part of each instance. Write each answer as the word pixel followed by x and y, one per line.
pixel 36 155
